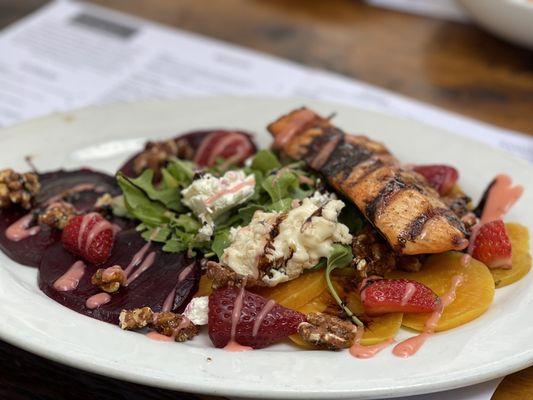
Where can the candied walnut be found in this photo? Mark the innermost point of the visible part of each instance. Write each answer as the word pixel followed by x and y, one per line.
pixel 56 215
pixel 373 256
pixel 224 277
pixel 135 319
pixel 156 154
pixel 109 279
pixel 18 188
pixel 327 331
pixel 176 326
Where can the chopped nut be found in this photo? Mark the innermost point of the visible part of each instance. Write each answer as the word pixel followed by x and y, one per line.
pixel 18 188
pixel 173 325
pixel 167 323
pixel 156 154
pixel 373 256
pixel 56 215
pixel 327 332
pixel 109 279
pixel 224 277
pixel 135 319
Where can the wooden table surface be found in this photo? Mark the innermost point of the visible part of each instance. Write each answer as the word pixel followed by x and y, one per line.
pixel 451 65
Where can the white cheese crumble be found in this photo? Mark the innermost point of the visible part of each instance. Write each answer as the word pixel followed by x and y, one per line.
pixel 205 232
pixel 198 310
pixel 321 199
pixel 305 235
pixel 209 197
pixel 248 244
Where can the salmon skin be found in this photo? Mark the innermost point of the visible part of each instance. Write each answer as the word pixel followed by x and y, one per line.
pixel 397 201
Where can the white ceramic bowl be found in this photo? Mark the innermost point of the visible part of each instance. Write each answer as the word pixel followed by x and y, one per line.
pixel 509 19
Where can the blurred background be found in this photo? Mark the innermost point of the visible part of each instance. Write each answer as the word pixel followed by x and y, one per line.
pixel 434 51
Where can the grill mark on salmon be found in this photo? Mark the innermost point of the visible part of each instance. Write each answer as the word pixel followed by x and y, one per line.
pixel 344 158
pixel 417 224
pixel 322 146
pixel 374 166
pixel 394 185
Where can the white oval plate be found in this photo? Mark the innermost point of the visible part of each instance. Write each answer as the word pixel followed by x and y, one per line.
pixel 495 344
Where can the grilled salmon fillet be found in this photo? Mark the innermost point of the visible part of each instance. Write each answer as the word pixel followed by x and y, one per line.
pixel 397 201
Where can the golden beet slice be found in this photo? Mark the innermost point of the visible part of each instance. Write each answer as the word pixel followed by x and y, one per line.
pixel 378 329
pixel 298 292
pixel 519 236
pixel 473 297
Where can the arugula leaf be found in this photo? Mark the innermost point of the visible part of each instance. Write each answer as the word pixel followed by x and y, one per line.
pixel 340 257
pixel 182 171
pixel 186 223
pixel 168 192
pixel 175 245
pixel 221 240
pixel 280 185
pixel 281 205
pixel 139 205
pixel 159 234
pixel 265 161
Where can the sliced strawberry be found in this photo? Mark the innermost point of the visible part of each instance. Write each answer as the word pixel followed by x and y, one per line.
pixel 227 145
pixel 90 236
pixel 398 295
pixel 278 322
pixel 491 245
pixel 441 177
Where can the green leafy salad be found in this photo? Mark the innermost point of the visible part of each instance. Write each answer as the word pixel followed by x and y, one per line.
pixel 156 199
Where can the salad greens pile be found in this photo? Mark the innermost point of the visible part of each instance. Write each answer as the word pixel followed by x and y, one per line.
pixel 157 204
pixel 166 220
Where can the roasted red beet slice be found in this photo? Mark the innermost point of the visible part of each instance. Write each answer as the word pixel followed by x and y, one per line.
pixel 195 140
pixel 29 251
pixel 151 288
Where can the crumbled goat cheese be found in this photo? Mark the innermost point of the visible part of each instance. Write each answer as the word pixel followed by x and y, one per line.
pixel 210 196
pixel 197 310
pixel 320 199
pixel 248 244
pixel 305 234
pixel 205 232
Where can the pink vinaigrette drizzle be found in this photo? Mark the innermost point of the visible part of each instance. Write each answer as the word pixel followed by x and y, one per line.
pixel 159 337
pixel 70 279
pixel 19 230
pixel 502 196
pixel 359 351
pixel 98 300
pixel 410 346
pixel 236 314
